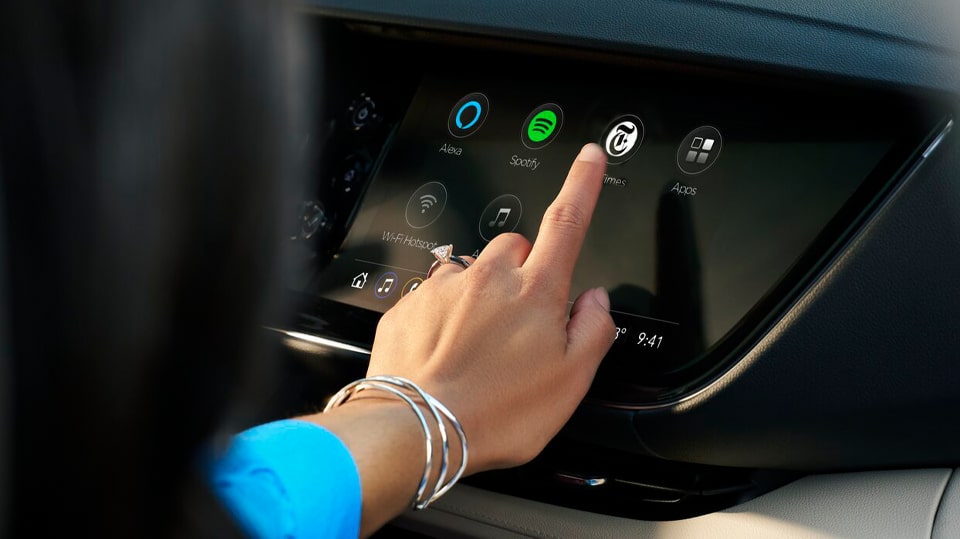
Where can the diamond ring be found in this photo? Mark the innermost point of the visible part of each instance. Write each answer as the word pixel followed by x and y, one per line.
pixel 444 255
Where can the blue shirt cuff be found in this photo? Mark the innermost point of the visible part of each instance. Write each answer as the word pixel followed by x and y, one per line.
pixel 289 479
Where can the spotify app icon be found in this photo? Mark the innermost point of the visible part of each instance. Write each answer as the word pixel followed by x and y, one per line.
pixel 542 126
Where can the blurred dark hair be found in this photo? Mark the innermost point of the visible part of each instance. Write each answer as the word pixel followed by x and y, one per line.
pixel 143 151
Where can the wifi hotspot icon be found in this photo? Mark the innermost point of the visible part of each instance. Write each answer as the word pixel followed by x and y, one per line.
pixel 426 204
pixel 542 126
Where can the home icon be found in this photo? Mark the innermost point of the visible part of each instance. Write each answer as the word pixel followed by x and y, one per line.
pixel 360 280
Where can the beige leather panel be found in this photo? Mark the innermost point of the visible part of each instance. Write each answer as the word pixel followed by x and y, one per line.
pixel 874 505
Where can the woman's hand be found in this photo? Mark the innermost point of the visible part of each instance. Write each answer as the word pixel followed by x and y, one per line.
pixel 493 342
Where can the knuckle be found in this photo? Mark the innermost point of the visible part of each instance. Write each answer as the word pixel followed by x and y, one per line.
pixel 480 274
pixel 511 240
pixel 565 216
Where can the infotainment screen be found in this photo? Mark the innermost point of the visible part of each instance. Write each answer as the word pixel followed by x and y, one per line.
pixel 713 193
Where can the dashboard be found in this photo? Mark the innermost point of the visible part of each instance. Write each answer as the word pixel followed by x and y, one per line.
pixel 777 226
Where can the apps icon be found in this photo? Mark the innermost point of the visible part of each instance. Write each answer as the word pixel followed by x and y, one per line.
pixel 622 138
pixel 699 150
pixel 542 126
pixel 468 115
pixel 426 204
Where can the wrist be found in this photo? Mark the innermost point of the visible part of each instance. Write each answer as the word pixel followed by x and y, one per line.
pixel 399 413
pixel 438 426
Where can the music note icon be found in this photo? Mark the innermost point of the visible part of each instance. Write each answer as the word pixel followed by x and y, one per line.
pixel 384 286
pixel 501 219
pixel 501 215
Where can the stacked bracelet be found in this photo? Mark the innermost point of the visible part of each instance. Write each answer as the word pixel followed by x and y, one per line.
pixel 406 391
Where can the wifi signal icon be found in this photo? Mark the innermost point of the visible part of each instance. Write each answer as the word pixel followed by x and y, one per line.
pixel 542 126
pixel 427 202
pixel 425 205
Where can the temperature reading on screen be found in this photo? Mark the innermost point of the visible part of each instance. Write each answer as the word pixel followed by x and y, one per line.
pixel 650 341
pixel 621 331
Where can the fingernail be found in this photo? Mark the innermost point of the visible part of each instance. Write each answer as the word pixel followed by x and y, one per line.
pixel 592 153
pixel 601 296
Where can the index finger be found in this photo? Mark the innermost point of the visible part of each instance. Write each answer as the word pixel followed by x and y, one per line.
pixel 565 222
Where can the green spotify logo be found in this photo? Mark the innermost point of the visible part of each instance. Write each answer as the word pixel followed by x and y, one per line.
pixel 542 126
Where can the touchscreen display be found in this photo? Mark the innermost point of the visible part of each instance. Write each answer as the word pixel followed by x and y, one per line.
pixel 712 193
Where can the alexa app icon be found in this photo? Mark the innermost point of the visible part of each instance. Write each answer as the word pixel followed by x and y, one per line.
pixel 542 126
pixel 468 114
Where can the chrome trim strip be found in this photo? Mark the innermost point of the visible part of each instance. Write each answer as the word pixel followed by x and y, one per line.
pixel 322 341
pixel 936 142
pixel 580 481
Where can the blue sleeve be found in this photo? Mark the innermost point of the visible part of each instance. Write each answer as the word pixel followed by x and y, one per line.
pixel 289 479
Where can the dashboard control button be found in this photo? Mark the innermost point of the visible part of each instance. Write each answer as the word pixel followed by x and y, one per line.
pixel 386 285
pixel 313 218
pixel 542 126
pixel 501 215
pixel 622 138
pixel 351 172
pixel 699 150
pixel 362 112
pixel 468 115
pixel 426 204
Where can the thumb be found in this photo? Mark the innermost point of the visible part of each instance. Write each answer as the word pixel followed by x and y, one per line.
pixel 590 331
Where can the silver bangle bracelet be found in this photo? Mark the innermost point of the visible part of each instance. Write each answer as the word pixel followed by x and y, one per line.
pixel 421 503
pixel 398 387
pixel 359 385
pixel 463 449
pixel 441 488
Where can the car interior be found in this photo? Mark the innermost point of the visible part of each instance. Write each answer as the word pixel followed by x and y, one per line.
pixel 778 229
